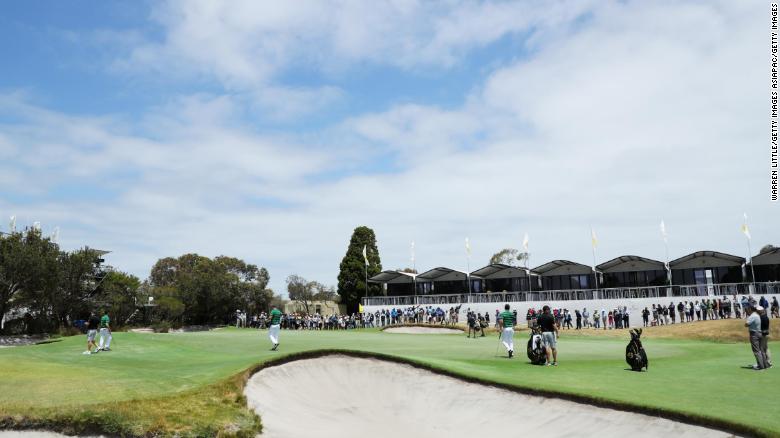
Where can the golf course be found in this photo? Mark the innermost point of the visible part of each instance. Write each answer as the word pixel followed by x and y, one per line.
pixel 191 384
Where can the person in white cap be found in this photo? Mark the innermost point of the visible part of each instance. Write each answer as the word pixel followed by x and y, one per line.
pixel 753 324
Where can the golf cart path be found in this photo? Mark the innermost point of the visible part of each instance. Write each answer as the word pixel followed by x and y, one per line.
pixel 336 394
pixel 414 330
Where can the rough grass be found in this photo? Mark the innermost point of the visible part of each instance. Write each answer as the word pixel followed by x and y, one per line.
pixel 191 384
pixel 722 330
pixel 215 410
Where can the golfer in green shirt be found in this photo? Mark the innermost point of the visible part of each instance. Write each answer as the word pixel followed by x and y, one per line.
pixel 507 335
pixel 273 331
pixel 105 332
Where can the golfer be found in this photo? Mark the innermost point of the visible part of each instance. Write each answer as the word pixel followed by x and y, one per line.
pixel 507 335
pixel 105 332
pixel 549 334
pixel 753 324
pixel 273 330
pixel 92 325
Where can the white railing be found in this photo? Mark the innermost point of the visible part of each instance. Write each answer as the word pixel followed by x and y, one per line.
pixel 714 290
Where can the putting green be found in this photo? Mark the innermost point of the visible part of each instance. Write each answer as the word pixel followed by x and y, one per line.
pixel 149 379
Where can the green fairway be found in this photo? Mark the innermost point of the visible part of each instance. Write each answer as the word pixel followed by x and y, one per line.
pixel 149 373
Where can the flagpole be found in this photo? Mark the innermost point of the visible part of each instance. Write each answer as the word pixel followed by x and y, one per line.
pixel 752 271
pixel 746 232
pixel 593 249
pixel 468 267
pixel 414 278
pixel 666 249
pixel 527 271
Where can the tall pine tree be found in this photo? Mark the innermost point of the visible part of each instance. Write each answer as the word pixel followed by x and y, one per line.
pixel 352 271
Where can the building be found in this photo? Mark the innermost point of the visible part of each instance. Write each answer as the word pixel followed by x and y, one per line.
pixel 766 266
pixel 565 275
pixel 707 268
pixel 395 283
pixel 498 277
pixel 448 281
pixel 632 271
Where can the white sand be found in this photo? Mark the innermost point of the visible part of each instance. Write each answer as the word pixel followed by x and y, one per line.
pixel 339 396
pixel 423 330
pixel 142 330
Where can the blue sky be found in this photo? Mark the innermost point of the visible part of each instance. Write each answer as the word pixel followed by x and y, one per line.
pixel 269 131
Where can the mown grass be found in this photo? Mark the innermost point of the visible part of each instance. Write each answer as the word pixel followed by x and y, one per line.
pixel 191 384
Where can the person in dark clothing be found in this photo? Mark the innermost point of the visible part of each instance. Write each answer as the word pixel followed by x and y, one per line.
pixel 549 333
pixel 578 315
pixel 92 327
pixel 645 316
pixel 764 344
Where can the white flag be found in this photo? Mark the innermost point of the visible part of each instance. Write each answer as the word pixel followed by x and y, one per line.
pixel 593 240
pixel 525 242
pixel 37 226
pixel 365 256
pixel 412 251
pixel 745 229
pixel 55 235
pixel 468 247
pixel 12 224
pixel 663 231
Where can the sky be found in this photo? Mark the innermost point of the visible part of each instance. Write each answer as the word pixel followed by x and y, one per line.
pixel 270 130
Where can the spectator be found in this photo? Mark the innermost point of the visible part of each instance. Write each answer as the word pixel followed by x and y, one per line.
pixel 765 337
pixel 753 324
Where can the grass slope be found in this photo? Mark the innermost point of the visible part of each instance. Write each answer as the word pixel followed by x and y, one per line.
pixel 190 383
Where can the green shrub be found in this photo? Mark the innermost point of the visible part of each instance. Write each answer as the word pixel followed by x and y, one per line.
pixel 162 327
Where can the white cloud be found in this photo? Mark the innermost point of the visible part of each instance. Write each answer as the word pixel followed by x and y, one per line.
pixel 647 110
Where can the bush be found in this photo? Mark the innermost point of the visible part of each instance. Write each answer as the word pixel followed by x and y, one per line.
pixel 162 327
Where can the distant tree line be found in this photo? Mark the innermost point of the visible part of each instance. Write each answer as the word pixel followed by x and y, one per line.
pixel 44 289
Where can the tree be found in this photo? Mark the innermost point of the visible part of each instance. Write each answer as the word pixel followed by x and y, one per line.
pixel 210 290
pixel 79 280
pixel 767 248
pixel 120 295
pixel 408 270
pixel 28 270
pixel 306 292
pixel 509 256
pixel 352 270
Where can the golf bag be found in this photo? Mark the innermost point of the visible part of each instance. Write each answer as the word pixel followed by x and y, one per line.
pixel 635 353
pixel 536 351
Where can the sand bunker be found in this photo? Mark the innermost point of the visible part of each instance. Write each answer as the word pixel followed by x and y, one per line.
pixel 423 330
pixel 336 396
pixel 142 330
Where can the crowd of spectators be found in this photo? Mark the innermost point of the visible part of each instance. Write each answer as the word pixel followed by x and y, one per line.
pixel 712 309
pixel 604 319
